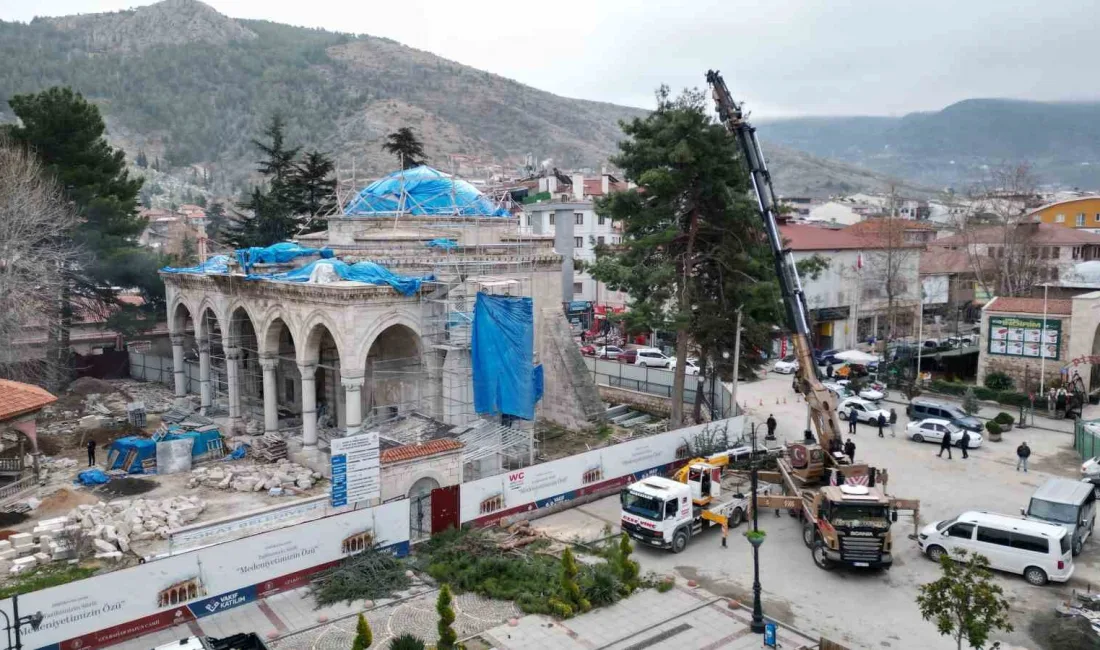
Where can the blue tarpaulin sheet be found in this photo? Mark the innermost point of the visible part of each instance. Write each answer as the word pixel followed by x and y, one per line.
pixel 92 477
pixel 443 242
pixel 144 449
pixel 277 254
pixel 502 351
pixel 367 272
pixel 216 264
pixel 422 191
pixel 538 382
pixel 199 439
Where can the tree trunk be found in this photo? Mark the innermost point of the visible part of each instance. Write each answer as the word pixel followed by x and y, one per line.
pixel 676 417
pixel 57 343
pixel 700 389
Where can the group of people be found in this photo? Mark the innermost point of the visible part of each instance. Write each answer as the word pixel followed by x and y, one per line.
pixel 881 421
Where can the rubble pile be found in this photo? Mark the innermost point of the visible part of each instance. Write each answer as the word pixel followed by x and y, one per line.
pixel 283 477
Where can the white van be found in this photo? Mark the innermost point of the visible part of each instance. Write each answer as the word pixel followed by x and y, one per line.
pixel 1036 550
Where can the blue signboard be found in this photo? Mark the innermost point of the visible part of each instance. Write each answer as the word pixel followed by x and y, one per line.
pixel 339 480
pixel 580 305
pixel 223 602
pixel 769 635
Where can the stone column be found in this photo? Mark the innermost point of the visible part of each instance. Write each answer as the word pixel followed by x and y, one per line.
pixel 204 375
pixel 233 377
pixel 177 366
pixel 271 398
pixel 309 403
pixel 353 402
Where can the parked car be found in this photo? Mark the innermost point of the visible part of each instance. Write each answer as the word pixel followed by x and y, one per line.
pixel 922 408
pixel 588 350
pixel 842 393
pixel 865 410
pixel 628 356
pixel 653 358
pixel 1066 503
pixel 788 365
pixel 691 368
pixel 1091 467
pixel 934 429
pixel 609 352
pixel 1038 551
pixel 825 357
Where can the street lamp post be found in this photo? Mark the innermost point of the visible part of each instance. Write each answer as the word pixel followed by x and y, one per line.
pixel 757 624
pixel 34 620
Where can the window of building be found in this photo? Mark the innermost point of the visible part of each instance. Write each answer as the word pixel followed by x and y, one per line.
pixel 1059 218
pixel 1076 252
pixel 1055 252
pixel 577 290
pixel 551 218
pixel 1098 217
pixel 578 242
pixel 599 241
pixel 578 218
pixel 600 219
pixel 1081 220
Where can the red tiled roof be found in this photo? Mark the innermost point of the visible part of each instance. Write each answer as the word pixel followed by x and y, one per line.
pixel 942 260
pixel 876 225
pixel 1045 233
pixel 409 452
pixel 814 238
pixel 1030 306
pixel 19 399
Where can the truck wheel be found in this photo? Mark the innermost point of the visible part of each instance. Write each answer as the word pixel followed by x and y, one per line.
pixel 809 534
pixel 679 541
pixel 1077 544
pixel 736 518
pixel 820 559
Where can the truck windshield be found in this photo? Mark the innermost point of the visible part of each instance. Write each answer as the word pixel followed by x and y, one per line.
pixel 1062 513
pixel 853 514
pixel 641 505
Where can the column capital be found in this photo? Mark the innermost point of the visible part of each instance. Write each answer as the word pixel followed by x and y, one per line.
pixel 307 370
pixel 176 339
pixel 269 363
pixel 204 346
pixel 352 383
pixel 233 354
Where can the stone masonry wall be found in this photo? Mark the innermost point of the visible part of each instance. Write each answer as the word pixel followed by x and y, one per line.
pixel 398 478
pixel 570 398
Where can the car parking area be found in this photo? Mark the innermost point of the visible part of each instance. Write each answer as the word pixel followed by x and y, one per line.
pixel 861 608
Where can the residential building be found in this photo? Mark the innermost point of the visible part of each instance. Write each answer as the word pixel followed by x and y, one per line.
pixel 835 212
pixel 1036 252
pixel 1081 213
pixel 897 230
pixel 848 301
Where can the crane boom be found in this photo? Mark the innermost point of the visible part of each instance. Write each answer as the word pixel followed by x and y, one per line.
pixel 821 401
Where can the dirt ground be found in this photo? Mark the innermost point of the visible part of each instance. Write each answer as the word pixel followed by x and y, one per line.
pixel 860 608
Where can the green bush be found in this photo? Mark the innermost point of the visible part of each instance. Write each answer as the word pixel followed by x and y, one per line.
pixel 1004 418
pixel 970 404
pixel 993 428
pixel 981 392
pixel 665 585
pixel 406 642
pixel 1012 398
pixel 447 635
pixel 363 635
pixel 998 381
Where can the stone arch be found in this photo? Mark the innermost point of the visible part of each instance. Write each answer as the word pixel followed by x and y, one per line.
pixel 270 332
pixel 207 308
pixel 386 321
pixel 425 482
pixel 395 377
pixel 181 312
pixel 234 322
pixel 420 502
pixel 242 335
pixel 316 324
pixel 323 349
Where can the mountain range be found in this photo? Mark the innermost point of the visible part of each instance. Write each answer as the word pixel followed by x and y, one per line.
pixel 956 146
pixel 190 86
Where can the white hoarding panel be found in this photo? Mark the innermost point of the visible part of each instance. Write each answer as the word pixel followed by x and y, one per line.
pixel 356 469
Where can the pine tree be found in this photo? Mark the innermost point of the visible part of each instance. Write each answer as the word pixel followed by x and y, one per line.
pixel 141 160
pixel 68 134
pixel 404 144
pixel 363 635
pixel 278 160
pixel 447 636
pixel 314 188
pixel 215 221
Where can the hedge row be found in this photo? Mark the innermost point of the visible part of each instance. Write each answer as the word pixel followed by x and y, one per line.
pixel 1007 397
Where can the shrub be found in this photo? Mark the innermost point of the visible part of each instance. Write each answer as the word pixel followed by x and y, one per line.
pixel 993 428
pixel 628 569
pixel 1004 418
pixel 407 642
pixel 447 635
pixel 602 585
pixel 569 582
pixel 998 381
pixel 363 635
pixel 970 402
pixel 1012 398
pixel 665 585
pixel 981 392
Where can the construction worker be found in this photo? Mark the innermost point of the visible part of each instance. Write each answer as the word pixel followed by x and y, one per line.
pixel 771 426
pixel 850 450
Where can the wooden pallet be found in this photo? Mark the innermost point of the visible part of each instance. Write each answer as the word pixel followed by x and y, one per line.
pixel 269 449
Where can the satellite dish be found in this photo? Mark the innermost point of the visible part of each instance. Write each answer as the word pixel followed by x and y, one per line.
pixel 855 490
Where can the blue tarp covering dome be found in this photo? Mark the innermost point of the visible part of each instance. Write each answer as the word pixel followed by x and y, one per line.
pixel 422 191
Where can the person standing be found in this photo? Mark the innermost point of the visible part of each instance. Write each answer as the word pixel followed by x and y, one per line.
pixel 725 532
pixel 853 420
pixel 893 423
pixel 964 443
pixel 91 452
pixel 771 426
pixel 850 450
pixel 881 423
pixel 829 371
pixel 945 445
pixel 1022 454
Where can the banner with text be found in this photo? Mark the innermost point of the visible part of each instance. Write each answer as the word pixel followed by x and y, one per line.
pixel 486 501
pixel 120 605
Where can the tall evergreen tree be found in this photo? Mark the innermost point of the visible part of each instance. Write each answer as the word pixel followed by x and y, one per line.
pixel 141 160
pixel 278 161
pixel 67 133
pixel 404 144
pixel 314 188
pixel 216 221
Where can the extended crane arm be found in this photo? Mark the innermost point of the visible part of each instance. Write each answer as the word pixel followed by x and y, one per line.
pixel 822 402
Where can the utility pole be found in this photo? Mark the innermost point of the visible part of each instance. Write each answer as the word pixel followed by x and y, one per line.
pixel 757 624
pixel 1043 345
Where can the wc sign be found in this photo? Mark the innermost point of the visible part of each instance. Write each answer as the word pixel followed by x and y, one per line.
pixel 515 480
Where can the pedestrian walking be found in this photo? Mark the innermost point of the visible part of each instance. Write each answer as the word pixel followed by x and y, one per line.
pixel 853 420
pixel 893 423
pixel 771 426
pixel 964 443
pixel 91 452
pixel 725 532
pixel 1022 454
pixel 945 445
pixel 850 450
pixel 881 423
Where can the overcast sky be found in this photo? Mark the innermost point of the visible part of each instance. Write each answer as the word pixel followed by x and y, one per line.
pixel 783 57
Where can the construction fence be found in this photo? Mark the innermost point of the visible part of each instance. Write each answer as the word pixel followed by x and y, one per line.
pixel 144 367
pixel 659 381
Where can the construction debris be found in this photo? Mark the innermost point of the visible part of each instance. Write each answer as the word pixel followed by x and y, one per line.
pixel 283 477
pixel 519 535
pixel 269 448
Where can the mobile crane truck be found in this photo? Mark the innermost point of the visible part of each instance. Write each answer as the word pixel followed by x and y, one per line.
pixel 847 516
